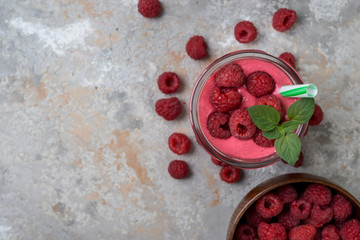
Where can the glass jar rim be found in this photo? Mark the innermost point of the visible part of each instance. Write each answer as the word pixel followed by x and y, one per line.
pixel 194 102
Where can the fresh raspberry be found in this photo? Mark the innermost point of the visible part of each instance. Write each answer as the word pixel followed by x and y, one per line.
pixel 287 220
pixel 330 232
pixel 317 116
pixel 241 125
pixel 149 8
pixel 178 169
pixel 168 82
pixel 253 218
pixel 299 162
pixel 273 231
pixel 287 193
pixel 272 101
pixel 342 207
pixel 245 32
pixel 196 47
pixel 351 230
pixel 230 174
pixel 262 141
pixel 217 161
pixel 269 205
pixel 230 75
pixel 168 108
pixel 317 193
pixel 289 58
pixel 224 102
pixel 218 126
pixel 260 84
pixel 303 232
pixel 300 208
pixel 283 19
pixel 320 215
pixel 179 143
pixel 245 232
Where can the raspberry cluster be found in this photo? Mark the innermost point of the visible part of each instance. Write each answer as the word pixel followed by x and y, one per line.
pixel 229 119
pixel 291 213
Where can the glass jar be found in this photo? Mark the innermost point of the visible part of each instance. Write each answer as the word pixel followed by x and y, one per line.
pixel 195 99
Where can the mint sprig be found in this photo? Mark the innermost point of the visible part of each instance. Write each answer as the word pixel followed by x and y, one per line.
pixel 287 144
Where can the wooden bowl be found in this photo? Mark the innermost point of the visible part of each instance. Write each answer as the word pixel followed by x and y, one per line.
pixel 273 183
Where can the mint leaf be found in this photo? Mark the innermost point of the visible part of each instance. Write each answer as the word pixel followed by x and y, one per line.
pixel 302 110
pixel 288 147
pixel 281 130
pixel 264 117
pixel 290 126
pixel 273 133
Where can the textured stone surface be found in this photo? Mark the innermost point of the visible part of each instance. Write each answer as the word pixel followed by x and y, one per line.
pixel 84 156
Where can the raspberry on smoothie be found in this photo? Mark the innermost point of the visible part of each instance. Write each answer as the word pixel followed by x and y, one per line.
pixel 225 98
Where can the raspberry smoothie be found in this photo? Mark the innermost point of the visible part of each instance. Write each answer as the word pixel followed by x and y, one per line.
pixel 244 149
pixel 221 96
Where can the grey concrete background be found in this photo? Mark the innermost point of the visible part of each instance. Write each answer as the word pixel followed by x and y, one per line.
pixel 83 154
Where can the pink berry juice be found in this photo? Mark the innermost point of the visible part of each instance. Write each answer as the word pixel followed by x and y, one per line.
pixel 234 151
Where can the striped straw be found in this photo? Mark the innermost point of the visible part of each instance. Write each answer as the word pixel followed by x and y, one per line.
pixel 300 91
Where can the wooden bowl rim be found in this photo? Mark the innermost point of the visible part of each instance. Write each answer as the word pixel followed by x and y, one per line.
pixel 254 194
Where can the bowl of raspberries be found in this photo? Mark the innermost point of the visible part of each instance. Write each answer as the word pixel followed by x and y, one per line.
pixel 296 206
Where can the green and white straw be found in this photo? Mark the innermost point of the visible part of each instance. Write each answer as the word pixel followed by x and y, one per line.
pixel 299 91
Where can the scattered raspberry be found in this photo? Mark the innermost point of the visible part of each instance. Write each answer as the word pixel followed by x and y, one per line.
pixel 230 174
pixel 224 102
pixel 283 19
pixel 217 161
pixel 269 205
pixel 217 125
pixel 320 215
pixel 178 169
pixel 289 58
pixel 179 143
pixel 273 231
pixel 300 208
pixel 272 101
pixel 241 125
pixel 317 193
pixel 299 162
pixel 303 232
pixel 230 75
pixel 254 219
pixel 287 220
pixel 262 141
pixel 245 32
pixel 196 47
pixel 330 232
pixel 260 84
pixel 317 116
pixel 168 108
pixel 168 82
pixel 342 207
pixel 287 193
pixel 351 230
pixel 245 232
pixel 149 8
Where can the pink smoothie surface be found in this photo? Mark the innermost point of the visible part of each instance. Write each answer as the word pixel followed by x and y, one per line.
pixel 243 149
